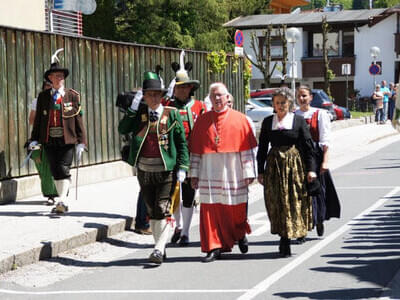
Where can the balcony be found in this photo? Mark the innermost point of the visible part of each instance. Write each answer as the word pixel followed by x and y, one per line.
pixel 314 66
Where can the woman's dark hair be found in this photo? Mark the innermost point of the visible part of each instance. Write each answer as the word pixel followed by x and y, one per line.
pixel 286 93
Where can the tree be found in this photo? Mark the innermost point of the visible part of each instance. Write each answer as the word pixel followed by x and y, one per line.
pixel 94 25
pixel 360 4
pixel 262 53
pixel 328 73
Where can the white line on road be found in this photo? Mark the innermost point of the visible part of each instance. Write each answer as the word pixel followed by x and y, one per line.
pixel 369 187
pixel 267 282
pixel 3 291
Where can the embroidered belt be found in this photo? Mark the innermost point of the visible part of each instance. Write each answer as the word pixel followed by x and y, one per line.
pixel 153 164
pixel 56 132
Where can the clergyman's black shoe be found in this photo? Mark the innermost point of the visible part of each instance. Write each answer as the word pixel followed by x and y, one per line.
pixel 320 229
pixel 244 245
pixel 211 256
pixel 184 241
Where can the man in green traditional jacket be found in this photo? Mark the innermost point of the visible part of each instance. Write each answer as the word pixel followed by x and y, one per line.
pixel 160 153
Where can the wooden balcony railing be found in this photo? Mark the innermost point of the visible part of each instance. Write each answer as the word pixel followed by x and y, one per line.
pixel 314 66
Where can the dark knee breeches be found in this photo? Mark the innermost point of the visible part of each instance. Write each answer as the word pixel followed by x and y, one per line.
pixel 156 189
pixel 60 160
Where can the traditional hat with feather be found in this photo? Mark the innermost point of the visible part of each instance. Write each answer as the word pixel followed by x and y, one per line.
pixel 55 67
pixel 181 71
pixel 153 81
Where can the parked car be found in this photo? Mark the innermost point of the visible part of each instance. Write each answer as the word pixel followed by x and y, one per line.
pixel 261 93
pixel 341 112
pixel 266 100
pixel 322 100
pixel 258 111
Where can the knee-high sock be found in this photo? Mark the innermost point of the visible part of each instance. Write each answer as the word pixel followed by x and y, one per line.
pixel 62 187
pixel 154 229
pixel 177 216
pixel 163 228
pixel 187 214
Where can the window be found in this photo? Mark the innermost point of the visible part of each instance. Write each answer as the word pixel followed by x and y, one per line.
pixel 332 44
pixel 348 43
pixel 276 46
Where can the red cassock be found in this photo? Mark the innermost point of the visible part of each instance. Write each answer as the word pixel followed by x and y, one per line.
pixel 221 157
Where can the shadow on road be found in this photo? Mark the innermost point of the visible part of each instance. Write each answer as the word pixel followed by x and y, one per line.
pixel 370 254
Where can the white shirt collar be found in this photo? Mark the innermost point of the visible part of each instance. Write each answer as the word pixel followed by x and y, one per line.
pixel 285 123
pixel 159 110
pixel 61 91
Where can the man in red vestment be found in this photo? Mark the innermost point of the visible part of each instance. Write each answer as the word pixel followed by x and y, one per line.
pixel 222 167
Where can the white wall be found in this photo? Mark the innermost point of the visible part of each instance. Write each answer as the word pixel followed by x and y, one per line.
pixel 380 35
pixel 299 49
pixel 26 14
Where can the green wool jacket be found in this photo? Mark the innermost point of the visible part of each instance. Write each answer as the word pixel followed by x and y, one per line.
pixel 170 132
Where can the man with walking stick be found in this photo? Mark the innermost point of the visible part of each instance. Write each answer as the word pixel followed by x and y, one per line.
pixel 58 127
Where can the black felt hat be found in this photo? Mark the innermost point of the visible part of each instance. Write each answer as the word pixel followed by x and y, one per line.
pixel 55 67
pixel 152 82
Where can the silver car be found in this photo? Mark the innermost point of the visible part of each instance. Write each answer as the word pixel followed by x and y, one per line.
pixel 258 111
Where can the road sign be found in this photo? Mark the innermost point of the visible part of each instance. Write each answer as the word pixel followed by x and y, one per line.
pixel 346 69
pixel 239 51
pixel 239 38
pixel 374 69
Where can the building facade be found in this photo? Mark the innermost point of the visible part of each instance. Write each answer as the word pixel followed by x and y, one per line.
pixel 352 34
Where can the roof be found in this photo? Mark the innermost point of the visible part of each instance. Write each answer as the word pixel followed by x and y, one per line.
pixel 361 16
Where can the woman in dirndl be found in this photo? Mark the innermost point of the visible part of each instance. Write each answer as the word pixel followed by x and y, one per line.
pixel 285 169
pixel 325 204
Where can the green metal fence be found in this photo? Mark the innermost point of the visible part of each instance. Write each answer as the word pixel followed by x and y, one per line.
pixel 99 70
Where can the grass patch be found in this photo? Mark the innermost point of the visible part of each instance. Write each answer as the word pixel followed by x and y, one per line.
pixel 360 114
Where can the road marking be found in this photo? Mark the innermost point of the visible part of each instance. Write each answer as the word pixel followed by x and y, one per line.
pixel 12 292
pixel 369 187
pixel 267 282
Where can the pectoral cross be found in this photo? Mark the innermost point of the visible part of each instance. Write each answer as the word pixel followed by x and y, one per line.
pixel 216 139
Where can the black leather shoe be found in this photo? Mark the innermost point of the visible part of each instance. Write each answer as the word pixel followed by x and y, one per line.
pixel 175 237
pixel 184 241
pixel 284 248
pixel 156 257
pixel 244 245
pixel 211 256
pixel 320 229
pixel 301 240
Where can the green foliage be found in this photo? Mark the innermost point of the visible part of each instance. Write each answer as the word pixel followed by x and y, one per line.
pixel 246 78
pixel 94 25
pixel 189 24
pixel 330 75
pixel 217 62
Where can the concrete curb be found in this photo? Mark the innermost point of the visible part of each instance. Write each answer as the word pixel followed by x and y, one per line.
pixel 53 248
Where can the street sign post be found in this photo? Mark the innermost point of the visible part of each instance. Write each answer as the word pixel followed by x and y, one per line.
pixel 374 69
pixel 346 70
pixel 239 39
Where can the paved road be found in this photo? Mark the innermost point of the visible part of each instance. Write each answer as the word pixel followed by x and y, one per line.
pixel 356 259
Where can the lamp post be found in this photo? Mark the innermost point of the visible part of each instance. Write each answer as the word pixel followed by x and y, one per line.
pixel 292 35
pixel 374 52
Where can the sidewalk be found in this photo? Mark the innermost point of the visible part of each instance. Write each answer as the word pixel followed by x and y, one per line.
pixel 29 232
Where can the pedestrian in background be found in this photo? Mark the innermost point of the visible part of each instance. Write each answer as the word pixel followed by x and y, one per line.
pixel 386 94
pixel 190 109
pixel 285 169
pixel 40 159
pixel 377 96
pixel 392 101
pixel 159 151
pixel 326 204
pixel 222 167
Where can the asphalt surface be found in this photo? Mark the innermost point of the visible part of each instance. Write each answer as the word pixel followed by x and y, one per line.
pixel 356 259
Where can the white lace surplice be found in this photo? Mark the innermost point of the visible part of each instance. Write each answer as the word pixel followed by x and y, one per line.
pixel 221 176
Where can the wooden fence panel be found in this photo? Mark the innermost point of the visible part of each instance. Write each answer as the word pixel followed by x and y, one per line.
pixel 99 71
